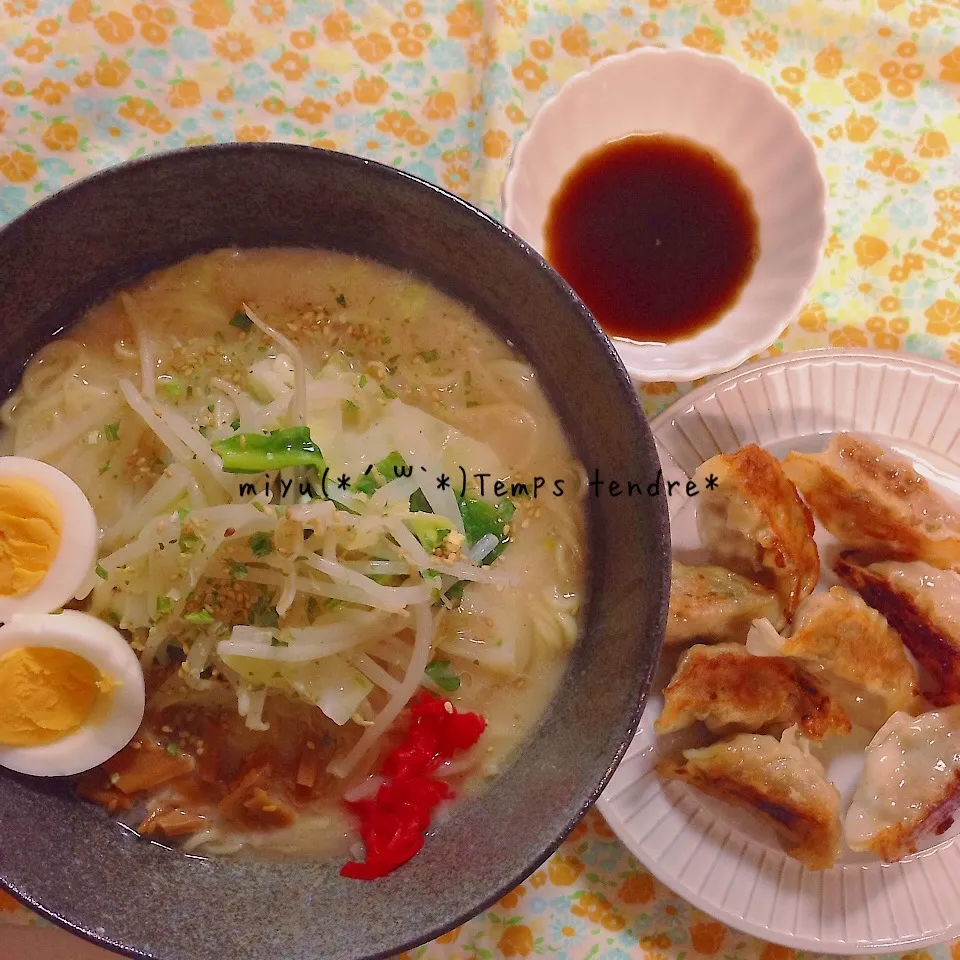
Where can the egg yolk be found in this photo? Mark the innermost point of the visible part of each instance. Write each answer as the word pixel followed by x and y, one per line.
pixel 31 527
pixel 45 694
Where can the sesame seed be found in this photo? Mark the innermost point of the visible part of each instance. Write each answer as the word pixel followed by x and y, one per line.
pixel 166 729
pixel 448 706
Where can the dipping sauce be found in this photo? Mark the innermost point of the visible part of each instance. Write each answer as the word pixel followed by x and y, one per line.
pixel 657 235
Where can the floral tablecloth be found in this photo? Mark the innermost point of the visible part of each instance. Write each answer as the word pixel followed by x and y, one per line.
pixel 443 88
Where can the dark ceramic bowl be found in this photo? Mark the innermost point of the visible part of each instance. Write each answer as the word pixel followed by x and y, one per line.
pixel 69 860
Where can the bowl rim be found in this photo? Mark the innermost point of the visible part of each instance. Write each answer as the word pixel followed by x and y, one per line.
pixel 658 579
pixel 696 59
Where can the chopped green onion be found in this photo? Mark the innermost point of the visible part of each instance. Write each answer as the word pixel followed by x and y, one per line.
pixel 203 431
pixel 101 572
pixel 387 392
pixel 235 424
pixel 257 505
pixel 350 407
pixel 188 541
pixel 418 503
pixel 172 388
pixel 366 484
pixel 256 453
pixel 104 468
pixel 164 605
pixel 481 518
pixel 363 380
pixel 182 514
pixel 440 673
pixel 237 570
pixel 200 617
pixel 275 642
pixel 211 407
pixel 112 432
pixel 341 299
pixel 173 749
pixel 429 356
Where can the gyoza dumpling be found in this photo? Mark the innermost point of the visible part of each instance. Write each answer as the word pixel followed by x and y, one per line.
pixel 851 649
pixel 753 520
pixel 729 689
pixel 910 785
pixel 715 604
pixel 922 604
pixel 873 500
pixel 778 780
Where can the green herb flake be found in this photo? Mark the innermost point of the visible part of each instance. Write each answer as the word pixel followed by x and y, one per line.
pixel 182 514
pixel 241 321
pixel 277 642
pixel 104 468
pixel 212 406
pixel 203 431
pixel 174 749
pixel 350 407
pixel 363 380
pixel 237 570
pixel 101 572
pixel 112 432
pixel 263 615
pixel 164 605
pixel 440 673
pixel 261 544
pixel 188 541
pixel 387 392
pixel 429 356
pixel 257 505
pixel 235 424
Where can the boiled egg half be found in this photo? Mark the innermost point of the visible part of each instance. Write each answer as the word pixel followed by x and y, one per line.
pixel 71 693
pixel 48 537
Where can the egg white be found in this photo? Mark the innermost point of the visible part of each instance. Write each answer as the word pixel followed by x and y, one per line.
pixel 113 721
pixel 78 543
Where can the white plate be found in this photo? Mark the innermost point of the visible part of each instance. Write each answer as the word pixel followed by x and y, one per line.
pixel 715 856
pixel 708 99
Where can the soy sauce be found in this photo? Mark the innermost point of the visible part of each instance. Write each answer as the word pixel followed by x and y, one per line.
pixel 657 234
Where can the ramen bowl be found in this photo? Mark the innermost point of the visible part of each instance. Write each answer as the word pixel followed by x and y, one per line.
pixel 711 101
pixel 69 860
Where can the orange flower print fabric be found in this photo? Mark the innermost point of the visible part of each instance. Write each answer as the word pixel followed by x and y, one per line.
pixel 444 89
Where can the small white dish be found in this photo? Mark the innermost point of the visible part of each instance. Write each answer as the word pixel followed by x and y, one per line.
pixel 707 99
pixel 716 856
